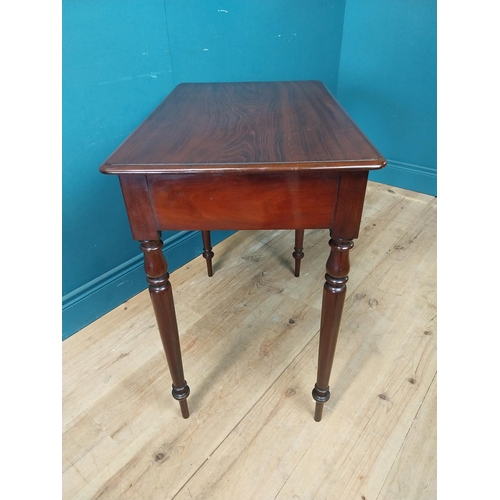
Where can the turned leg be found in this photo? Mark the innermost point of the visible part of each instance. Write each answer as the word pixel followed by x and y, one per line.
pixel 337 269
pixel 160 291
pixel 298 253
pixel 207 251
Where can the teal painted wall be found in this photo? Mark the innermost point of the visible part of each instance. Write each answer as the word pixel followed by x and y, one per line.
pixel 116 68
pixel 387 83
pixel 120 59
pixel 227 40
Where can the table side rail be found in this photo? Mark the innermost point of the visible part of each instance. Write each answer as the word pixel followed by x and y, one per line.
pixel 246 201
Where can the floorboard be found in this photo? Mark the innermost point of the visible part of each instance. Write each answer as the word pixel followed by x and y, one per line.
pixel 249 337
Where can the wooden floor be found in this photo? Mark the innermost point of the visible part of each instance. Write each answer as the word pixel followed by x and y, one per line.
pixel 250 337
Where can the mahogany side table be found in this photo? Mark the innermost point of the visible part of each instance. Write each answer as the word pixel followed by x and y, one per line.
pixel 261 155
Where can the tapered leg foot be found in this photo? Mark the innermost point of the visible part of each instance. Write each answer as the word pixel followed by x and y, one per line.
pixel 184 408
pixel 207 251
pixel 160 292
pixel 337 269
pixel 318 412
pixel 181 394
pixel 298 254
pixel 321 398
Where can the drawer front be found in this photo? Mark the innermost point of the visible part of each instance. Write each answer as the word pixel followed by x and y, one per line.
pixel 244 201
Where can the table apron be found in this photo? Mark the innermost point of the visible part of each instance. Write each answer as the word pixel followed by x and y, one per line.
pixel 244 201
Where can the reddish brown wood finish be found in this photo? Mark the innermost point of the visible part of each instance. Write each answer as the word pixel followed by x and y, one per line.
pixel 139 210
pixel 298 254
pixel 266 155
pixel 207 251
pixel 337 269
pixel 244 201
pixel 349 206
pixel 250 127
pixel 160 291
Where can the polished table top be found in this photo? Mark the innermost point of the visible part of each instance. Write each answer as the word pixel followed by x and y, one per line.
pixel 250 127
